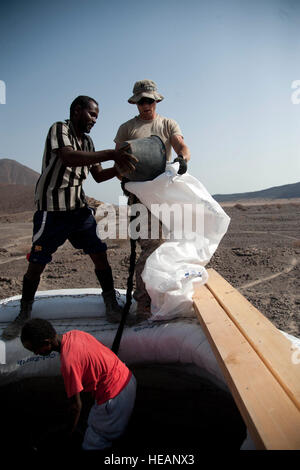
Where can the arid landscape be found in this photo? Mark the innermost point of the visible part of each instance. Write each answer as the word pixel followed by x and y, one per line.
pixel 259 255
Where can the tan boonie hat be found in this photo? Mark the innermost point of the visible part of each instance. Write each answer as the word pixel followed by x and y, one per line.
pixel 146 89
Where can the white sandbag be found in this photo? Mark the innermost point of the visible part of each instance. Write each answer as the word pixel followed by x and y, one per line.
pixel 181 342
pixel 200 221
pixel 169 280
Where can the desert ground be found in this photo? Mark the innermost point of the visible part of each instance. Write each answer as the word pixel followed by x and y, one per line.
pixel 259 255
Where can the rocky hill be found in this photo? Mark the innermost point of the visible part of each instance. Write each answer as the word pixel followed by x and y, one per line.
pixel 12 172
pixel 17 184
pixel 15 198
pixel 287 191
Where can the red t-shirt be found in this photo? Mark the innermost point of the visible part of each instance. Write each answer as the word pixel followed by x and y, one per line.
pixel 87 365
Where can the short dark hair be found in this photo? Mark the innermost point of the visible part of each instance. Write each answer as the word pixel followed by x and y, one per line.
pixel 82 101
pixel 35 331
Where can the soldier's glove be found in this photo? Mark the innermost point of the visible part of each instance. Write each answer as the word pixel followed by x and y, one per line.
pixel 182 164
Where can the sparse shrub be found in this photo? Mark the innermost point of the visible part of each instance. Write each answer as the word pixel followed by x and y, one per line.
pixel 240 207
pixel 296 244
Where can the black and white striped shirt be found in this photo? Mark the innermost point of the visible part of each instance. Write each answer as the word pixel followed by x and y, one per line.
pixel 59 187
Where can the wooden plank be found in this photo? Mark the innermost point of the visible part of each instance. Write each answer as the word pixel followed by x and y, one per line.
pixel 270 344
pixel 271 417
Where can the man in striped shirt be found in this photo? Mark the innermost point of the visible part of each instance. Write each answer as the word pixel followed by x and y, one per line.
pixel 62 211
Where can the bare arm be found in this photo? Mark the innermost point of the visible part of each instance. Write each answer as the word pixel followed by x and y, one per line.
pixel 117 147
pixel 71 157
pixel 180 147
pixel 74 411
pixel 99 174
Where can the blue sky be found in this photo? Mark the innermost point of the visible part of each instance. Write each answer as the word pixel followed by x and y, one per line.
pixel 225 69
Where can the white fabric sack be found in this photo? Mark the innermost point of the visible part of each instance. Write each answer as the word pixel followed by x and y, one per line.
pixel 172 268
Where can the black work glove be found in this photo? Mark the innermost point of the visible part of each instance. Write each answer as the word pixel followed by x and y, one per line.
pixel 182 164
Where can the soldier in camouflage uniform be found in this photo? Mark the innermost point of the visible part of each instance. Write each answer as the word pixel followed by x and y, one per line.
pixel 148 123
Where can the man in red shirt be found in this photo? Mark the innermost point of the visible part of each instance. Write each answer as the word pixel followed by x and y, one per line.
pixel 87 365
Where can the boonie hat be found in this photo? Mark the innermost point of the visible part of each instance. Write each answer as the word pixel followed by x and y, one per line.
pixel 145 89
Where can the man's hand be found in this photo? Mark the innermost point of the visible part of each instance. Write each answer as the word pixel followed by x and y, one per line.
pixel 118 174
pixel 124 161
pixel 74 409
pixel 182 164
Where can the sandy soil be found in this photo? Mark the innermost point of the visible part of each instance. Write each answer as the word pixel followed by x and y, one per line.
pixel 259 256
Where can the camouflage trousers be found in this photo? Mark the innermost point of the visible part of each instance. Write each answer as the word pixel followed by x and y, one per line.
pixel 148 246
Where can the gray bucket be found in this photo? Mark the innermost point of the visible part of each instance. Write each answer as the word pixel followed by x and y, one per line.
pixel 151 153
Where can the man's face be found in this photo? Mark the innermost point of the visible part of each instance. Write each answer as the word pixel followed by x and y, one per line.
pixel 42 350
pixel 86 117
pixel 147 109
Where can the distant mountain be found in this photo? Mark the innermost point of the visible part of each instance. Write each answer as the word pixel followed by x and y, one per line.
pixel 17 185
pixel 12 172
pixel 15 198
pixel 287 191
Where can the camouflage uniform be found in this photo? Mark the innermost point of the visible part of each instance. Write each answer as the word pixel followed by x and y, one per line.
pixel 148 246
pixel 139 128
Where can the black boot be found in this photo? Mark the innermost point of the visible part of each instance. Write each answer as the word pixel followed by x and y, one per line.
pixel 14 328
pixel 29 289
pixel 113 310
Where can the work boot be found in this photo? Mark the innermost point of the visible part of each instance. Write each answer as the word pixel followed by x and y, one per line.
pixel 143 312
pixel 113 309
pixel 14 328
